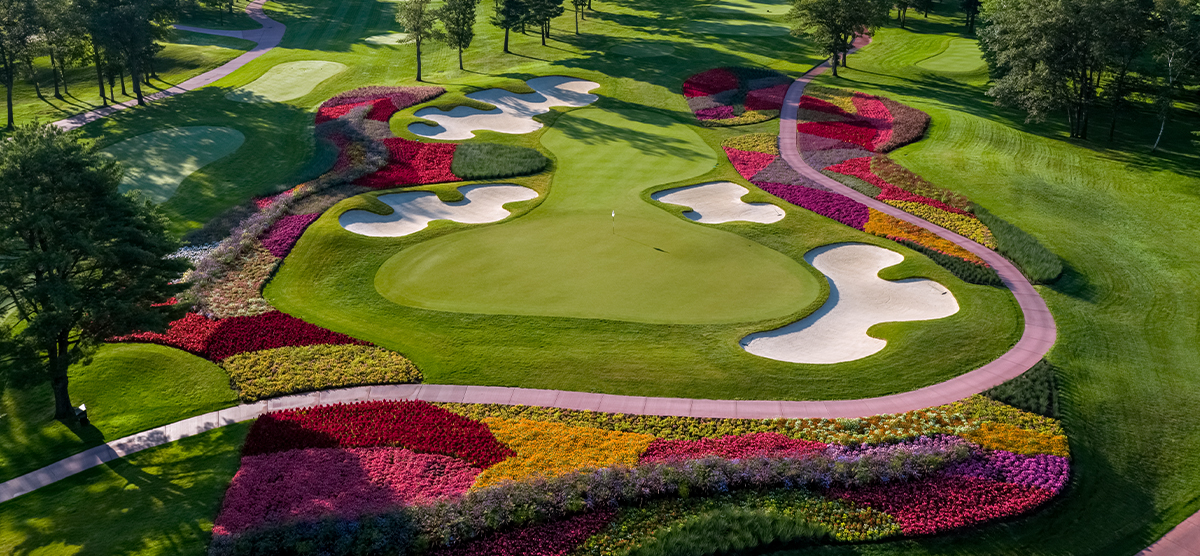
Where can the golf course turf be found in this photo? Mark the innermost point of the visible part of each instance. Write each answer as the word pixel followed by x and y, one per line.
pixel 157 163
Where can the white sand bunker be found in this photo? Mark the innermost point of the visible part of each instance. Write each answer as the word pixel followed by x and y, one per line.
pixel 412 211
pixel 858 300
pixel 287 81
pixel 719 202
pixel 390 38
pixel 513 113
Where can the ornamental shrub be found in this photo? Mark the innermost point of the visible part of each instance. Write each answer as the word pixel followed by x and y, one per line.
pixel 730 531
pixel 970 273
pixel 1035 261
pixel 289 370
pixel 481 161
pixel 1035 390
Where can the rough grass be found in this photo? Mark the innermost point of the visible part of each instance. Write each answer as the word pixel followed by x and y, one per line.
pixel 1036 262
pixel 1035 391
pixel 481 161
pixel 730 531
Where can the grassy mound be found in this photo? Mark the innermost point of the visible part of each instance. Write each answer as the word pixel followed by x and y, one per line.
pixel 481 161
pixel 1035 391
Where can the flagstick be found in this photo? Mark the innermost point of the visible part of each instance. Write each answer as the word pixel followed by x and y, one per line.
pixel 614 218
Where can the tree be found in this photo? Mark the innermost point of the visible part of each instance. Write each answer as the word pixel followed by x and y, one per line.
pixel 17 31
pixel 509 15
pixel 80 262
pixel 130 30
pixel 579 6
pixel 902 10
pixel 971 9
pixel 833 24
pixel 1128 34
pixel 542 12
pixel 1176 52
pixel 458 19
pixel 417 20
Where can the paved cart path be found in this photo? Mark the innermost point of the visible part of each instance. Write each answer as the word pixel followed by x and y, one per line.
pixel 267 37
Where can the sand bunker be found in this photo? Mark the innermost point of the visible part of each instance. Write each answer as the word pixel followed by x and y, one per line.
pixel 513 113
pixel 157 163
pixel 739 28
pixel 412 211
pixel 640 49
pixel 390 38
pixel 719 202
pixel 858 299
pixel 286 81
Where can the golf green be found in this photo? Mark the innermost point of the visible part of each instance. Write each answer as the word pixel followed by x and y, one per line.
pixel 750 7
pixel 286 81
pixel 960 56
pixel 157 163
pixel 739 28
pixel 570 257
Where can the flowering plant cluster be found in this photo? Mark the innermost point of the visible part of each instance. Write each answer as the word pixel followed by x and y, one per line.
pixel 551 449
pixel 754 445
pixel 217 339
pixel 289 370
pixel 280 238
pixel 413 163
pixel 885 225
pixel 736 95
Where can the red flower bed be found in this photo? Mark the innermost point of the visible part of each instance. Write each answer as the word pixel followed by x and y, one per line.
pixel 813 103
pixel 861 169
pixel 347 483
pixel 770 98
pixel 710 82
pixel 763 444
pixel 857 132
pixel 418 426
pixel 548 539
pixel 413 163
pixel 326 113
pixel 748 163
pixel 941 503
pixel 217 339
pixel 285 232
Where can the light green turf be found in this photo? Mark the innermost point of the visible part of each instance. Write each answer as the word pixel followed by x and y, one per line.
pixel 387 39
pixel 287 81
pixel 750 7
pixel 960 56
pixel 739 28
pixel 640 49
pixel 154 503
pixel 157 163
pixel 128 388
pixel 567 259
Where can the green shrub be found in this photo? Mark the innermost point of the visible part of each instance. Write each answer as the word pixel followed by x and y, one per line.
pixel 728 531
pixel 1035 261
pixel 481 161
pixel 966 271
pixel 288 370
pixel 1035 391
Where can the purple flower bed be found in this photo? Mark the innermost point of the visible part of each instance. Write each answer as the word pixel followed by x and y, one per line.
pixel 765 444
pixel 548 539
pixel 1041 470
pixel 824 203
pixel 718 113
pixel 286 232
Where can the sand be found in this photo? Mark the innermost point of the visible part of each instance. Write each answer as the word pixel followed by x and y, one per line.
pixel 412 211
pixel 513 113
pixel 719 202
pixel 156 163
pixel 858 300
pixel 287 81
pixel 390 38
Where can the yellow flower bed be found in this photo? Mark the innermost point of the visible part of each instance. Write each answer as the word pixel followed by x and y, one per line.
pixel 552 449
pixel 840 97
pixel 1003 436
pixel 961 224
pixel 893 228
pixel 275 372
pixel 755 142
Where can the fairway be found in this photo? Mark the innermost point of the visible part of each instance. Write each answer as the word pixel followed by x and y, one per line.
pixel 750 7
pixel 567 258
pixel 157 163
pixel 739 28
pixel 287 81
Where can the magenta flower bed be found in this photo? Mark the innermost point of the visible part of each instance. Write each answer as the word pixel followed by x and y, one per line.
pixel 856 133
pixel 413 163
pixel 330 482
pixel 770 98
pixel 748 163
pixel 939 504
pixel 217 339
pixel 718 113
pixel 1042 470
pixel 765 444
pixel 736 95
pixel 548 539
pixel 284 234
pixel 416 425
pixel 861 169
pixel 824 203
pixel 710 82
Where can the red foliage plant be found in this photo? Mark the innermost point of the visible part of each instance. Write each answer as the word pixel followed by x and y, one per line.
pixel 416 425
pixel 413 163
pixel 763 444
pixel 220 338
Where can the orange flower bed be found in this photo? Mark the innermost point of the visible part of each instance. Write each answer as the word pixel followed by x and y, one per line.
pixel 1003 436
pixel 893 228
pixel 552 449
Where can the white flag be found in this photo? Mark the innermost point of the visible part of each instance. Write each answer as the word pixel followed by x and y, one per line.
pixel 614 213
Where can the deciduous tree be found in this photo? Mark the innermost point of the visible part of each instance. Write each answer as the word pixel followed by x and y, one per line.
pixel 1176 51
pixel 458 22
pixel 417 20
pixel 509 15
pixel 542 12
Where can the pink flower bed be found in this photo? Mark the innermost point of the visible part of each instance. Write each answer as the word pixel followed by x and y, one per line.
pixel 736 95
pixel 315 483
pixel 939 504
pixel 418 426
pixel 216 339
pixel 710 82
pixel 413 163
pixel 861 169
pixel 748 163
pixel 718 113
pixel 764 444
pixel 285 232
pixel 548 539
pixel 825 203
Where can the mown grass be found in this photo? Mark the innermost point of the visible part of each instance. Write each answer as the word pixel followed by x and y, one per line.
pixel 473 161
pixel 1128 356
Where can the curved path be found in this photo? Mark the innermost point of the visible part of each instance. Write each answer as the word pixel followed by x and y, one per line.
pixel 267 37
pixel 1038 337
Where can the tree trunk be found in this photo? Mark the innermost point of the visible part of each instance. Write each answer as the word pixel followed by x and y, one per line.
pixel 123 91
pixel 506 40
pixel 8 84
pixel 833 62
pixel 460 64
pixel 418 60
pixel 545 32
pixel 1112 127
pixel 33 78
pixel 589 4
pixel 99 71
pixel 576 20
pixel 59 363
pixel 54 74
pixel 135 75
pixel 1161 127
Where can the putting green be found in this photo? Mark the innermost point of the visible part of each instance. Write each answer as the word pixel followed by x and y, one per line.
pixel 564 258
pixel 739 28
pixel 286 81
pixel 960 56
pixel 639 49
pixel 156 163
pixel 749 7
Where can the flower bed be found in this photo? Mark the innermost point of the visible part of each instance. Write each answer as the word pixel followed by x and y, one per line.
pixel 583 482
pixel 736 95
pixel 412 163
pixel 216 339
pixel 280 238
pixel 289 370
